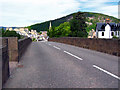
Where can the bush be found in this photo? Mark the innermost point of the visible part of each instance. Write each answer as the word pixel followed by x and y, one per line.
pixel 10 34
pixel 34 39
pixel 40 33
pixel 114 37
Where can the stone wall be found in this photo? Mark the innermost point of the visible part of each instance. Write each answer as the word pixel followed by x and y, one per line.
pixel 22 45
pixel 110 46
pixel 17 47
pixel 0 63
pixel 13 48
pixel 5 61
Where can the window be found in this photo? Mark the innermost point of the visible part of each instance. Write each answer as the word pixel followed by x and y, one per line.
pixel 116 33
pixel 112 34
pixel 102 33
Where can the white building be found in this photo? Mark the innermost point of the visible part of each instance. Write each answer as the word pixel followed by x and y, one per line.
pixel 107 30
pixel 50 26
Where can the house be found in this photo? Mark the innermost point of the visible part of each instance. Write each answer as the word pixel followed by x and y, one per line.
pixel 92 34
pixel 89 23
pixel 91 18
pixel 34 34
pixel 22 31
pixel 107 30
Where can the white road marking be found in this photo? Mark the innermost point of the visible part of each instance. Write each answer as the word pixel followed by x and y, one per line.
pixel 73 55
pixel 115 76
pixel 57 47
pixel 49 44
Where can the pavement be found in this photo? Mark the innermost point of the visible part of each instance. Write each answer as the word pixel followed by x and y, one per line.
pixel 57 65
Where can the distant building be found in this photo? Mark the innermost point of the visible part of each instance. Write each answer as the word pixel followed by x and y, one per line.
pixel 89 23
pixel 20 30
pixel 33 34
pixel 44 34
pixel 50 26
pixel 92 34
pixel 107 30
pixel 24 31
pixel 10 29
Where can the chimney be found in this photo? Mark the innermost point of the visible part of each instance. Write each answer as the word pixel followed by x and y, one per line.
pixel 107 20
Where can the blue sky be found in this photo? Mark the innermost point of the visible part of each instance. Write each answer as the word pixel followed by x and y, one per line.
pixel 22 13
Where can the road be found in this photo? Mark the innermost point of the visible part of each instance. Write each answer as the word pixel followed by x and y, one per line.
pixel 56 65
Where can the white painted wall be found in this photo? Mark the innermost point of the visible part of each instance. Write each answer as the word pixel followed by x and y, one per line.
pixel 107 32
pixel 100 34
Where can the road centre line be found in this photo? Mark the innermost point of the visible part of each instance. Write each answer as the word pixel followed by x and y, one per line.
pixel 115 76
pixel 73 55
pixel 57 47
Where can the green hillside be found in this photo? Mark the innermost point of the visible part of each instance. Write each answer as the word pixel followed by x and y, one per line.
pixel 91 19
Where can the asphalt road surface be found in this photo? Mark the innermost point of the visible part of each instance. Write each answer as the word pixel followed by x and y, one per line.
pixel 56 65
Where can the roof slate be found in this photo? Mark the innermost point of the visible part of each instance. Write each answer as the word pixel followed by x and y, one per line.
pixel 114 26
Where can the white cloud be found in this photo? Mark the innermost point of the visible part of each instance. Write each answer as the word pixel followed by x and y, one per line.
pixel 21 11
pixel 110 10
pixel 27 12
pixel 101 6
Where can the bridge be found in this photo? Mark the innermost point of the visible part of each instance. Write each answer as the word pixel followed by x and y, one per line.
pixel 57 65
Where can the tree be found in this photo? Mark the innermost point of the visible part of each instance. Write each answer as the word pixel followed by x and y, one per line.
pixel 29 28
pixel 78 25
pixel 90 27
pixel 10 34
pixel 63 30
pixel 2 31
pixel 51 32
pixel 40 33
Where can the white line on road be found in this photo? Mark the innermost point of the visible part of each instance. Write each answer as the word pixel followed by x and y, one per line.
pixel 57 47
pixel 115 76
pixel 49 44
pixel 73 55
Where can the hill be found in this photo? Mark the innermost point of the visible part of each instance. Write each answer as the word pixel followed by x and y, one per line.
pixel 1 27
pixel 91 20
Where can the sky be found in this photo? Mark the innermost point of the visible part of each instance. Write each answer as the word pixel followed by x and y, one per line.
pixel 20 13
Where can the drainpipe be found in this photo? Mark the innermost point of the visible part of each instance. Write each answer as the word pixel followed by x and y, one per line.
pixel 109 34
